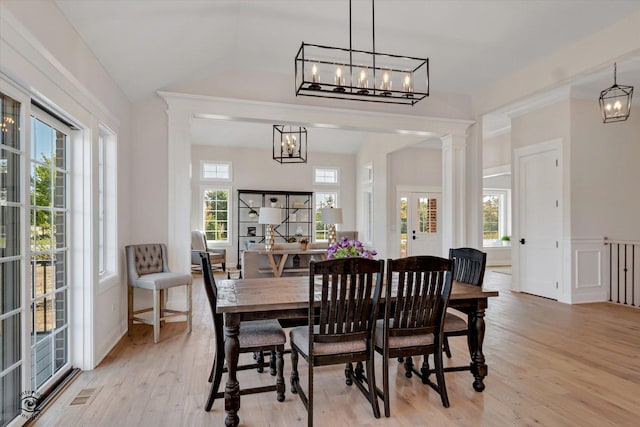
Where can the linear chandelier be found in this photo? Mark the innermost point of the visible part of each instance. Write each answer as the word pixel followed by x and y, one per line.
pixel 332 72
pixel 615 101
pixel 289 146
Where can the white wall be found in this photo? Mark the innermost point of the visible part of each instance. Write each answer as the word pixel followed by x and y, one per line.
pixel 605 174
pixel 496 151
pixel 43 54
pixel 256 170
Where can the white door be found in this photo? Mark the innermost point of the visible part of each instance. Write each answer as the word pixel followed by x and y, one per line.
pixel 539 216
pixel 420 224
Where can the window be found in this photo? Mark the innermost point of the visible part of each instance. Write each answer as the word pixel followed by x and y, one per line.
pixel 216 214
pixel 427 215
pixel 495 216
pixel 367 210
pixel 325 176
pixel 323 200
pixel 107 204
pixel 215 171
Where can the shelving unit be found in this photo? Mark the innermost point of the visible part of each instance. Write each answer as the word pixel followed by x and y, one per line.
pixel 297 216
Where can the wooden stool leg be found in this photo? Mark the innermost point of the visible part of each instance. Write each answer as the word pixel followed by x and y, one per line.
pixel 156 315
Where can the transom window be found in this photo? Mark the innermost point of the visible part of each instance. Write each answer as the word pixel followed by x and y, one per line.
pixel 219 171
pixel 325 175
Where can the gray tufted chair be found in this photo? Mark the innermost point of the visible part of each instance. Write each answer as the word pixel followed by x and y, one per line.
pixel 147 269
pixel 199 244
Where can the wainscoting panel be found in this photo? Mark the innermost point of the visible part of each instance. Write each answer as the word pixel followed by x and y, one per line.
pixel 588 264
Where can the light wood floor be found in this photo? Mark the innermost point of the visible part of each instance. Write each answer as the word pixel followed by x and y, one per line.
pixel 550 364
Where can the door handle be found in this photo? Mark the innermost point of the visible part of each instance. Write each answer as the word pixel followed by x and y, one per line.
pixel 522 241
pixel 413 237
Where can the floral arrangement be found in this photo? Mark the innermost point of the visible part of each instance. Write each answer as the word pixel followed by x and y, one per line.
pixel 345 248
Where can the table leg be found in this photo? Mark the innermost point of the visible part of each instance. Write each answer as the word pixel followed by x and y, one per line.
pixel 231 352
pixel 475 340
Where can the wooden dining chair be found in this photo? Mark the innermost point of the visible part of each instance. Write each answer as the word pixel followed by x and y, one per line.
pixel 254 337
pixel 412 324
pixel 469 266
pixel 340 327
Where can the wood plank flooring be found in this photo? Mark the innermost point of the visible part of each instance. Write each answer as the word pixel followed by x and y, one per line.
pixel 550 364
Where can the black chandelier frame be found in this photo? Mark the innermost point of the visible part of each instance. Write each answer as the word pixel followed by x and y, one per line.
pixel 619 93
pixel 413 73
pixel 281 153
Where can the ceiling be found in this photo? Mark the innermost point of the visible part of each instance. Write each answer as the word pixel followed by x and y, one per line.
pixel 159 45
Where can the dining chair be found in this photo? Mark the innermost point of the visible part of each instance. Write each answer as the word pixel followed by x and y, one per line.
pixel 341 322
pixel 147 268
pixel 468 267
pixel 417 293
pixel 255 337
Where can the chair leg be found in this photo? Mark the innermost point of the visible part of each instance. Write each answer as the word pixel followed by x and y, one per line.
pixel 310 394
pixel 129 309
pixel 447 350
pixel 294 371
pixel 259 356
pixel 214 378
pixel 385 386
pixel 359 370
pixel 424 370
pixel 224 266
pixel 348 373
pixel 189 310
pixel 272 364
pixel 408 367
pixel 373 391
pixel 279 362
pixel 440 378
pixel 157 307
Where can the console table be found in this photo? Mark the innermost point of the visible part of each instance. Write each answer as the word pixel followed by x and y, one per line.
pixel 278 258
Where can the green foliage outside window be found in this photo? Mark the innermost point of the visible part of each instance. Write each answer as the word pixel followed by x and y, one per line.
pixel 216 215
pixel 490 215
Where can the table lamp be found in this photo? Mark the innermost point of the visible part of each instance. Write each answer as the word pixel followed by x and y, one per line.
pixel 270 217
pixel 331 216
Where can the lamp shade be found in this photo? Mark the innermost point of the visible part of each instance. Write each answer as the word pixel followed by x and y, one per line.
pixel 270 216
pixel 331 215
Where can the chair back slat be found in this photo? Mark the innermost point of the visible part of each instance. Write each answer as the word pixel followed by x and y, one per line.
pixel 421 295
pixel 348 298
pixel 469 265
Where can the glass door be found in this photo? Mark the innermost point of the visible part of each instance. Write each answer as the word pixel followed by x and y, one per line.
pixel 11 259
pixel 49 260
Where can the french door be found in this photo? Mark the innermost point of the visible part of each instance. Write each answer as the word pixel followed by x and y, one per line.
pixel 419 214
pixel 34 261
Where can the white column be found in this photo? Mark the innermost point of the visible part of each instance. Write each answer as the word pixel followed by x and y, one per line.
pixel 179 197
pixel 473 179
pixel 453 191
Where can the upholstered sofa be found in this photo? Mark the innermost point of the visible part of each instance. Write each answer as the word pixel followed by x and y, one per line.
pixel 253 261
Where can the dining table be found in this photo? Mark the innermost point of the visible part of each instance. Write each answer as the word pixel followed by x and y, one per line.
pixel 288 298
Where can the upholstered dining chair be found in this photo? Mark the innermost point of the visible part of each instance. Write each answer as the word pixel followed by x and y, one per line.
pixel 254 336
pixel 340 325
pixel 420 287
pixel 199 244
pixel 469 267
pixel 147 268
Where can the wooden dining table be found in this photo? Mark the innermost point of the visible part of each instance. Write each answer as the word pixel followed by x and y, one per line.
pixel 288 298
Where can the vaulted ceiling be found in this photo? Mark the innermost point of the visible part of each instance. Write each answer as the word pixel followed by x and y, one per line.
pixel 164 45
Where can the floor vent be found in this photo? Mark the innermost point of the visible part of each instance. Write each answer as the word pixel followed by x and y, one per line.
pixel 85 396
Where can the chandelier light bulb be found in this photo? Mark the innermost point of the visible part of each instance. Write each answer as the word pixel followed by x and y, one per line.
pixel 314 73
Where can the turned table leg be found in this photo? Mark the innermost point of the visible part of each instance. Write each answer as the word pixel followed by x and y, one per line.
pixel 231 351
pixel 476 338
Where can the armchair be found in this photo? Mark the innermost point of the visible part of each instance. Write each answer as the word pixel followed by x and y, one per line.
pixel 199 244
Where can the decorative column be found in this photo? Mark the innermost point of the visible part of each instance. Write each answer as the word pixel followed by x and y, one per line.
pixel 453 191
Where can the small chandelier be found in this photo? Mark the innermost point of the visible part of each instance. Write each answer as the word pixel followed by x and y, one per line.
pixel 332 72
pixel 289 146
pixel 615 102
